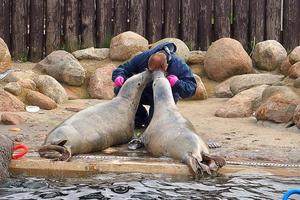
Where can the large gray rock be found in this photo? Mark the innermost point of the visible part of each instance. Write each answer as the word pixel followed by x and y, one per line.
pixel 64 67
pixel 242 104
pixel 196 57
pixel 11 119
pixel 126 44
pixel 201 92
pixel 236 84
pixel 10 103
pixel 182 49
pixel 101 85
pixel 294 56
pixel 297 83
pixel 6 150
pixel 294 71
pixel 296 117
pixel 5 58
pixel 285 66
pixel 278 104
pixel 92 53
pixel 38 99
pixel 18 75
pixel 50 87
pixel 268 55
pixel 226 57
pixel 13 87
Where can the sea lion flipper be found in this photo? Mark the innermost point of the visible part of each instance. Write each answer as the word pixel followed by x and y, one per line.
pixel 195 163
pixel 218 160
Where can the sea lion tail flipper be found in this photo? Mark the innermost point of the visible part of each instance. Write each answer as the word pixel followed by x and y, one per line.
pixel 56 152
pixel 214 162
pixel 195 163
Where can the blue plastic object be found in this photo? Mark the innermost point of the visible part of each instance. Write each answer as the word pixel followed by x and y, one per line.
pixel 289 193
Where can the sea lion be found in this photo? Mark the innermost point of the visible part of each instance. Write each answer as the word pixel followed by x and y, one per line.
pixel 170 134
pixel 100 126
pixel 6 150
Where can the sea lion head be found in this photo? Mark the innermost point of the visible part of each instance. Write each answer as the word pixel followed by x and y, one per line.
pixel 134 86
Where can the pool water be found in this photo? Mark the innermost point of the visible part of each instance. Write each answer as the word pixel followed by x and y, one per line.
pixel 138 186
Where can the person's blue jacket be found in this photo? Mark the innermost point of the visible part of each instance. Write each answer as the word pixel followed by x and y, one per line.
pixel 186 85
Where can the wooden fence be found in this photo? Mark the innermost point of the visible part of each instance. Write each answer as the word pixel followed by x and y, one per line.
pixel 34 28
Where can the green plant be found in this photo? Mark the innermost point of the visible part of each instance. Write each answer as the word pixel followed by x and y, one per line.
pixel 252 46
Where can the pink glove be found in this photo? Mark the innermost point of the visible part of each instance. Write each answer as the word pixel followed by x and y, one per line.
pixel 119 81
pixel 172 79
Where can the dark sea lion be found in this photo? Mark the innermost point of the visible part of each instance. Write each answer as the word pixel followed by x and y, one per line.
pixel 6 150
pixel 100 126
pixel 170 134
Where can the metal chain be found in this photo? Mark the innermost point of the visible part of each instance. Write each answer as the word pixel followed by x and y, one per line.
pixel 259 164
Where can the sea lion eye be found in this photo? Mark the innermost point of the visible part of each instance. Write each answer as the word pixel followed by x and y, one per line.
pixel 139 84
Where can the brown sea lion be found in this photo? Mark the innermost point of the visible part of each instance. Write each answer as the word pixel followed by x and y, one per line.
pixel 170 134
pixel 6 150
pixel 100 126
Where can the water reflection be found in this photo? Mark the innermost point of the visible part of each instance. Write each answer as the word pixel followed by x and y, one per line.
pixel 138 186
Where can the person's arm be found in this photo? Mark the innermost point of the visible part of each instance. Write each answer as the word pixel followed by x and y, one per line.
pixel 186 84
pixel 127 69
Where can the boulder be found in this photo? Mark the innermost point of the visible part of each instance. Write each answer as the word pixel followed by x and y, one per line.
pixel 101 85
pixel 92 53
pixel 126 44
pixel 10 103
pixel 296 117
pixel 294 71
pixel 6 150
pixel 242 104
pixel 278 104
pixel 27 83
pixel 64 67
pixel 226 57
pixel 5 58
pixel 297 83
pixel 182 49
pixel 38 99
pixel 268 55
pixel 196 57
pixel 236 84
pixel 49 86
pixel 11 119
pixel 285 66
pixel 18 75
pixel 294 56
pixel 13 87
pixel 200 93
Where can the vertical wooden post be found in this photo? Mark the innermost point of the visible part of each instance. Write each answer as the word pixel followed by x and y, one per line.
pixel 53 25
pixel 273 21
pixel 5 21
pixel 121 16
pixel 19 30
pixel 257 21
pixel 291 9
pixel 204 24
pixel 222 18
pixel 36 33
pixel 137 16
pixel 171 16
pixel 154 20
pixel 103 22
pixel 241 22
pixel 87 23
pixel 189 19
pixel 71 25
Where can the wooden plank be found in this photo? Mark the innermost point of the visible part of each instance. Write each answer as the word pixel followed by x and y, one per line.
pixel 222 10
pixel 36 33
pixel 189 25
pixel 103 22
pixel 204 24
pixel 154 20
pixel 71 25
pixel 5 21
pixel 273 21
pixel 87 23
pixel 19 30
pixel 241 21
pixel 291 9
pixel 53 25
pixel 257 21
pixel 121 16
pixel 171 16
pixel 137 16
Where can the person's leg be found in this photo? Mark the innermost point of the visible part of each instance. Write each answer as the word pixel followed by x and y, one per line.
pixel 141 116
pixel 151 110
